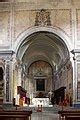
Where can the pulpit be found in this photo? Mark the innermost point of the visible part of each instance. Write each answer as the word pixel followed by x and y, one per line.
pixel 23 98
pixel 21 94
pixel 21 91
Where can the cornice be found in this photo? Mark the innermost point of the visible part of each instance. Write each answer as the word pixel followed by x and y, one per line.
pixel 34 6
pixel 7 52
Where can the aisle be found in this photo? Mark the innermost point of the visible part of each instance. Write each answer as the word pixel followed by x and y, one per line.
pixel 44 116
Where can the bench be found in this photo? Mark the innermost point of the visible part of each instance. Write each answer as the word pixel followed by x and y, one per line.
pixel 15 115
pixel 69 115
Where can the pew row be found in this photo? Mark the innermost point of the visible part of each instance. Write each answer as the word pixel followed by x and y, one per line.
pixel 15 115
pixel 69 115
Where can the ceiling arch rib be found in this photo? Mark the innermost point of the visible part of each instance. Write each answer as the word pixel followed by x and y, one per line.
pixel 43 49
pixel 37 58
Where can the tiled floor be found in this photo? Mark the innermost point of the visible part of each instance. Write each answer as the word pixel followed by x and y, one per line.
pixel 44 116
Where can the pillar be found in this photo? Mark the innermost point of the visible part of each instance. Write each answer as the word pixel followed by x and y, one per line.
pixel 8 86
pixel 75 77
pixel 7 81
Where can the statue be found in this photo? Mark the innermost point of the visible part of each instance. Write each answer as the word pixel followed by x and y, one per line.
pixel 50 94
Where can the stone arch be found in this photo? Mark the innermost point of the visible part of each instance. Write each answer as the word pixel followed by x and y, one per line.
pixel 35 29
pixel 55 31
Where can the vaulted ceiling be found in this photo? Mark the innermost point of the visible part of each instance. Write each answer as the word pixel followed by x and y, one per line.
pixel 43 46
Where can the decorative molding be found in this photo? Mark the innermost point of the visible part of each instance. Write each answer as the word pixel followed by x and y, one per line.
pixel 75 51
pixel 6 55
pixel 43 18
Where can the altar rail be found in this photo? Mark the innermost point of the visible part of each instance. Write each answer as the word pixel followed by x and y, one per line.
pixel 15 115
pixel 69 115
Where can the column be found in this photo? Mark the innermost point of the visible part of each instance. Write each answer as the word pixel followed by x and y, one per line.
pixel 19 76
pixel 74 78
pixel 16 76
pixel 78 79
pixel 6 82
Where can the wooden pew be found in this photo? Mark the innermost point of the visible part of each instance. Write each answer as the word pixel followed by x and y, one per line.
pixel 69 115
pixel 15 115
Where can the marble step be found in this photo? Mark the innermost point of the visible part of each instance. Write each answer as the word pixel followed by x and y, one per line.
pixel 53 109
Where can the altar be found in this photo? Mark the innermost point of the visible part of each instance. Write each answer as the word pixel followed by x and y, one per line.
pixel 40 101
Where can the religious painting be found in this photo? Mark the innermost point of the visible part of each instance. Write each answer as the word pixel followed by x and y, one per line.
pixel 40 84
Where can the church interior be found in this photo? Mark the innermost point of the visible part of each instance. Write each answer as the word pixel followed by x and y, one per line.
pixel 39 54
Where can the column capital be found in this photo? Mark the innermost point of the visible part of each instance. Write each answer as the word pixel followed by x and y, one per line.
pixel 75 51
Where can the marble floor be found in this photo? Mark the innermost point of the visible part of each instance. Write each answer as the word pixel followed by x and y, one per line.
pixel 44 116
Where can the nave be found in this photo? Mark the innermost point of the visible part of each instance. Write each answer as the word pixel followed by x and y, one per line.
pixel 47 113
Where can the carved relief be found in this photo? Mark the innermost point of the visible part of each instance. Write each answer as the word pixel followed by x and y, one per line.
pixel 60 18
pixel 42 18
